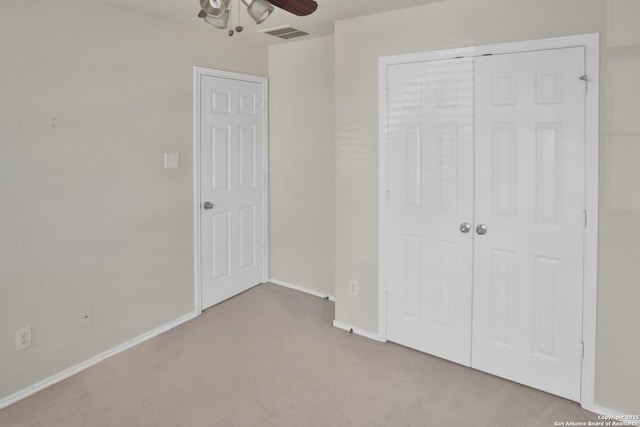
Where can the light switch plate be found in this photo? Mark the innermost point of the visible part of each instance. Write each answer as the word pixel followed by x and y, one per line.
pixel 171 160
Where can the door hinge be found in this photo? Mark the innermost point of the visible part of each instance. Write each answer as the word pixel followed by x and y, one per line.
pixel 585 219
pixel 386 197
pixel 585 79
pixel 264 104
pixel 582 349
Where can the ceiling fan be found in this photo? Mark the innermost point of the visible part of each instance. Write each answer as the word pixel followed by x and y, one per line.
pixel 217 12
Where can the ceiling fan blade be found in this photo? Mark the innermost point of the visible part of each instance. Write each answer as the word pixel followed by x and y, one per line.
pixel 297 7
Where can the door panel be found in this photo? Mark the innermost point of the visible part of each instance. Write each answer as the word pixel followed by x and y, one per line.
pixel 430 193
pixel 527 323
pixel 232 150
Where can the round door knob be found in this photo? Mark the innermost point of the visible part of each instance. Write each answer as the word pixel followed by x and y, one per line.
pixel 465 227
pixel 482 229
pixel 208 205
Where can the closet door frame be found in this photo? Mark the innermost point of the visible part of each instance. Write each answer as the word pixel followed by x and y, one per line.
pixel 590 42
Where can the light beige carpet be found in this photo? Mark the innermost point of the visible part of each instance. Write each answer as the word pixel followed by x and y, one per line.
pixel 270 357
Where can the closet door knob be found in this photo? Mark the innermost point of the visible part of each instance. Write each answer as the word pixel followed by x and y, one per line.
pixel 208 205
pixel 465 227
pixel 482 229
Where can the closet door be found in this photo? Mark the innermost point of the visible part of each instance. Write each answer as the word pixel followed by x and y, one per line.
pixel 430 194
pixel 528 265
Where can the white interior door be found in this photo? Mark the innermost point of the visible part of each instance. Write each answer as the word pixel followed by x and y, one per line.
pixel 430 194
pixel 506 296
pixel 232 187
pixel 528 269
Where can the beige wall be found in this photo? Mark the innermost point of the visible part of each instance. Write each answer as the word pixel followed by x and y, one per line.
pixel 90 99
pixel 302 164
pixel 459 23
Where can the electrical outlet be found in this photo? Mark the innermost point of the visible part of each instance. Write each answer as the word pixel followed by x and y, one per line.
pixel 353 287
pixel 86 316
pixel 23 338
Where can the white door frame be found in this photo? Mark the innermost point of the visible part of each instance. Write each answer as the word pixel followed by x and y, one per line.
pixel 198 73
pixel 591 43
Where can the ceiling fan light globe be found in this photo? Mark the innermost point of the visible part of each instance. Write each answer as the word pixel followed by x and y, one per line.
pixel 259 10
pixel 209 7
pixel 221 21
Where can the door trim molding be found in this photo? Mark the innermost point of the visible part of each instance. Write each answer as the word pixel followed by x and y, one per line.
pixel 591 43
pixel 198 73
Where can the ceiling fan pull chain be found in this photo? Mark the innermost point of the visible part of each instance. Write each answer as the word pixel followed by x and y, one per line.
pixel 239 27
pixel 231 30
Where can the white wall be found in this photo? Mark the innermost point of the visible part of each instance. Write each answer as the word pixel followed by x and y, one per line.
pixel 302 164
pixel 459 23
pixel 90 99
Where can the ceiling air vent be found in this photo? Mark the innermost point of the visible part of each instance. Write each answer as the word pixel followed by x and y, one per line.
pixel 286 32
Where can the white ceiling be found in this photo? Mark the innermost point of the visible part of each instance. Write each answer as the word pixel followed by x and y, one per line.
pixel 318 24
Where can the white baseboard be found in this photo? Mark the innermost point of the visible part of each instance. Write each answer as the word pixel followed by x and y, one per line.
pixel 56 378
pixel 616 416
pixel 301 289
pixel 358 331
